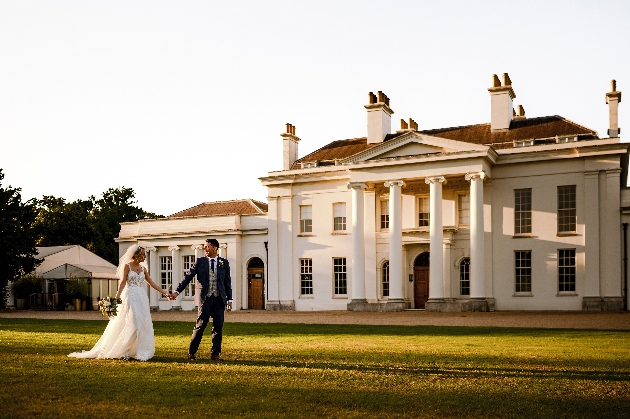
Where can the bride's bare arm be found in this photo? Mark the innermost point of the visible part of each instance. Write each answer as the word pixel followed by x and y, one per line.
pixel 153 284
pixel 123 281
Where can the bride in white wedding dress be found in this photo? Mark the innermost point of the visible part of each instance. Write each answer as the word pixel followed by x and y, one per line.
pixel 130 333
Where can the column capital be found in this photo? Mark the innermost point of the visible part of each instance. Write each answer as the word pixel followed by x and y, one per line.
pixel 173 248
pixel 356 185
pixel 397 182
pixel 433 179
pixel 223 246
pixel 613 172
pixel 475 175
pixel 150 249
pixel 196 246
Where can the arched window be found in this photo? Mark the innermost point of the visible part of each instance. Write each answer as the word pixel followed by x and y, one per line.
pixel 464 277
pixel 385 278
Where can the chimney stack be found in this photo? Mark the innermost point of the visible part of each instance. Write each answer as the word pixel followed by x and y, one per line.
pixel 501 107
pixel 379 117
pixel 520 114
pixel 613 98
pixel 408 126
pixel 289 147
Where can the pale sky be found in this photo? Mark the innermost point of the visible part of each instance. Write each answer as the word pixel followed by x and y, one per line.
pixel 185 101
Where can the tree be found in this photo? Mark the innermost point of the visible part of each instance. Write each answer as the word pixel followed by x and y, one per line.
pixel 114 207
pixel 59 223
pixel 17 237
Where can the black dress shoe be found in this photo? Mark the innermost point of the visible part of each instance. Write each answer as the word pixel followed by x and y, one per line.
pixel 216 357
pixel 192 357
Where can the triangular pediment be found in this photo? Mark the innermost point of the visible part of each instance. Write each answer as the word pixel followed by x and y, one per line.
pixel 414 144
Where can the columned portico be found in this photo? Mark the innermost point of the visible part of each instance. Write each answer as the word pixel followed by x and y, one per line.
pixel 436 238
pixel 359 301
pixel 153 273
pixel 477 272
pixel 396 300
pixel 177 303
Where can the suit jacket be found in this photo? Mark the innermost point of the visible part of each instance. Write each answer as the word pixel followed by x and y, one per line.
pixel 201 269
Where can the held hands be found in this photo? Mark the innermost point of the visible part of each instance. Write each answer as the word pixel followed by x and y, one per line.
pixel 229 306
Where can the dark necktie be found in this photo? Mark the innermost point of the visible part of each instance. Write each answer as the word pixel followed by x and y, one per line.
pixel 212 264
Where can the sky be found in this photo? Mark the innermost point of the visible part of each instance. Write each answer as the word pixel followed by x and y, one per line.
pixel 185 101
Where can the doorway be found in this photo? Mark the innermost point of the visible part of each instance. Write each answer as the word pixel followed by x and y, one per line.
pixel 255 284
pixel 421 280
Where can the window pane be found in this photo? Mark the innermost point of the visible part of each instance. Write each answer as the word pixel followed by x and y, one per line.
pixel 523 263
pixel 464 277
pixel 166 272
pixel 385 279
pixel 306 276
pixel 423 212
pixel 385 214
pixel 463 208
pixel 522 211
pixel 339 214
pixel 567 215
pixel 340 277
pixel 187 263
pixel 566 270
pixel 306 219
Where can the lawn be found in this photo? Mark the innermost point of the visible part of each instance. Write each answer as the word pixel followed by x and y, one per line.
pixel 298 370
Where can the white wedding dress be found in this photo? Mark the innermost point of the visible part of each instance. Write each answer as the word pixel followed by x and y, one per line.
pixel 130 333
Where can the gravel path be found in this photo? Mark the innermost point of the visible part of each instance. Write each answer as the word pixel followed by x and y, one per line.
pixel 561 320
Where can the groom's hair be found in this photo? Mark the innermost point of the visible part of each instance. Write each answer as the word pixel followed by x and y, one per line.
pixel 213 242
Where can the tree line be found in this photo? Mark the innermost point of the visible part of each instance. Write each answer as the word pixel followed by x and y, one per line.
pixel 93 223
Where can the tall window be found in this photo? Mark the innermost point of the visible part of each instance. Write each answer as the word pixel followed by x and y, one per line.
pixel 166 272
pixel 463 209
pixel 385 279
pixel 306 218
pixel 522 211
pixel 339 216
pixel 566 270
pixel 187 263
pixel 523 264
pixel 306 276
pixel 340 276
pixel 423 212
pixel 385 213
pixel 464 277
pixel 567 217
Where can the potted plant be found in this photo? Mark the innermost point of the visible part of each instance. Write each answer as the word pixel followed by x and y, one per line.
pixel 77 291
pixel 23 288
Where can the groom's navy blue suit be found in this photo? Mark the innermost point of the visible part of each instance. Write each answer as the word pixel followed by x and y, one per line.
pixel 209 306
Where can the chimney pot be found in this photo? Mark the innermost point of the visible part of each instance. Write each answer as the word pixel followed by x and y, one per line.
pixel 403 124
pixel 613 85
pixel 495 81
pixel 506 80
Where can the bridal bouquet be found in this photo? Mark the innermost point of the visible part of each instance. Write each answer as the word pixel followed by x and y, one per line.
pixel 109 305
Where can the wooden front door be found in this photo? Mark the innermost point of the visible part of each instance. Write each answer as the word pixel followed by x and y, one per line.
pixel 255 288
pixel 420 286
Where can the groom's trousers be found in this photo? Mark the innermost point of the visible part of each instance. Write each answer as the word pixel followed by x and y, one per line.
pixel 211 307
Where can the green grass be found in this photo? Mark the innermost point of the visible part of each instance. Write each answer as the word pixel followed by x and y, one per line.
pixel 297 370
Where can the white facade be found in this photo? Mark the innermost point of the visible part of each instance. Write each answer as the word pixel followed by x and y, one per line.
pixel 516 214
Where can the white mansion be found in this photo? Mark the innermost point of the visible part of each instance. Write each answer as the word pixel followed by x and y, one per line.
pixel 516 214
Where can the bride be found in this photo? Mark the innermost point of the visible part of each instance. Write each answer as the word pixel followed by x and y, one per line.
pixel 130 333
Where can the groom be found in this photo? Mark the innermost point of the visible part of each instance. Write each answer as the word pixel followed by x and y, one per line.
pixel 213 293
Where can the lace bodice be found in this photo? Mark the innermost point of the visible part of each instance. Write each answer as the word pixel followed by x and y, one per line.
pixel 135 279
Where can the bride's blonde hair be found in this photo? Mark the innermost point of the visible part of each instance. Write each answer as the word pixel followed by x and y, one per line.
pixel 129 255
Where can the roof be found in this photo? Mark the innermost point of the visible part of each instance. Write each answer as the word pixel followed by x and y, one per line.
pixel 546 127
pixel 63 261
pixel 238 207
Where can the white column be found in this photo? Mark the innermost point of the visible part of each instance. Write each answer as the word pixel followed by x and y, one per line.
pixel 396 280
pixel 358 242
pixel 592 234
pixel 273 268
pixel 447 269
pixel 436 237
pixel 477 271
pixel 177 276
pixel 369 240
pixel 613 283
pixel 223 250
pixel 153 273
